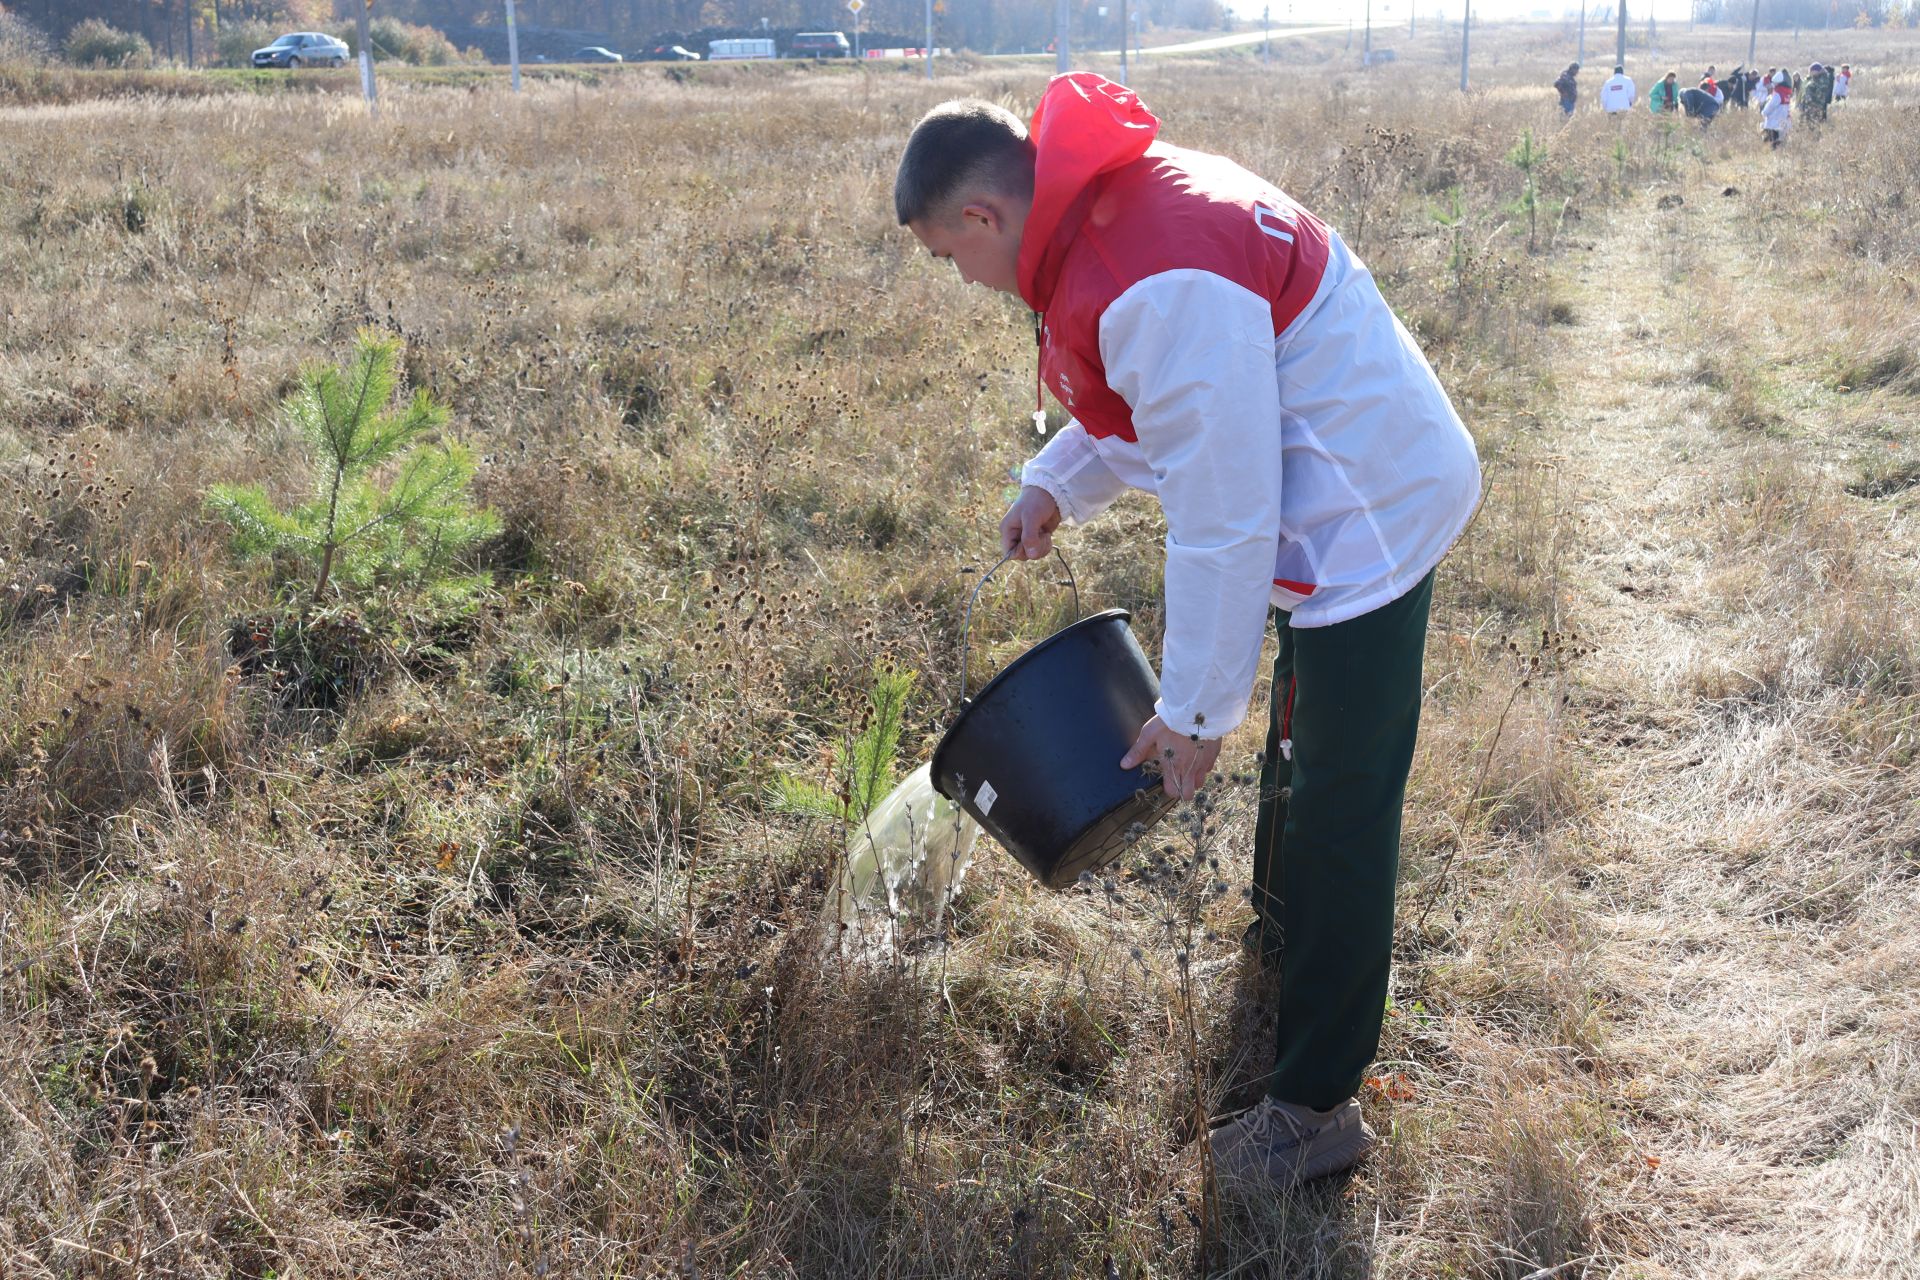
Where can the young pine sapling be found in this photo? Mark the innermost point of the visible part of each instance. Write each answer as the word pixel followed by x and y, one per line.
pixel 389 508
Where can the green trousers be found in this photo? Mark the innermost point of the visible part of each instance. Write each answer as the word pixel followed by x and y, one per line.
pixel 1346 708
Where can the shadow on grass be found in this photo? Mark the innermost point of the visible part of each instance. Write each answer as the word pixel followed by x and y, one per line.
pixel 1308 1233
pixel 1311 1233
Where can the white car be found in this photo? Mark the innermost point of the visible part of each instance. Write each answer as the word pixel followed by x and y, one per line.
pixel 303 49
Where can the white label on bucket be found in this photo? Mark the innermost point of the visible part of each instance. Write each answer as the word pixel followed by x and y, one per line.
pixel 983 798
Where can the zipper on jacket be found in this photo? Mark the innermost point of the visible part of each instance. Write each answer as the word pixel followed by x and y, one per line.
pixel 1286 723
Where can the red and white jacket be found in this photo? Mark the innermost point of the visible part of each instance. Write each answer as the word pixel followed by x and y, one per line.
pixel 1219 346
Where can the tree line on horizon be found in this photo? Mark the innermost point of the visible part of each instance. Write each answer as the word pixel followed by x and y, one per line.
pixel 985 25
pixel 191 30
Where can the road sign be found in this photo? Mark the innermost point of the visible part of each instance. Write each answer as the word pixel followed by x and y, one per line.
pixel 855 6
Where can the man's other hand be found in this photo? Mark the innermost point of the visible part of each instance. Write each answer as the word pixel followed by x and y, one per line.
pixel 1026 531
pixel 1184 761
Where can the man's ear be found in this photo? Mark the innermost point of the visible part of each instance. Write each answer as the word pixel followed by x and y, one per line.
pixel 982 214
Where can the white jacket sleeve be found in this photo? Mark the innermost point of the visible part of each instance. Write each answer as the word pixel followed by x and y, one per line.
pixel 1193 354
pixel 1070 469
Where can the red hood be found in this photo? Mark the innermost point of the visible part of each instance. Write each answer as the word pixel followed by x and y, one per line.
pixel 1085 125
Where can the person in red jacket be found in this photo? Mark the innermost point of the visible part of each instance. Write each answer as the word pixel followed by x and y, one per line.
pixel 1220 347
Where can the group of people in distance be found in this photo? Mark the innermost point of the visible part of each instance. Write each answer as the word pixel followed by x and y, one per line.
pixel 1775 91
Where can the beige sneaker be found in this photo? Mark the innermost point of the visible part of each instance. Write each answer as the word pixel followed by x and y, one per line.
pixel 1277 1144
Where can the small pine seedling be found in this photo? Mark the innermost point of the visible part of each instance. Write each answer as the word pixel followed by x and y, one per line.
pixel 389 508
pixel 868 766
pixel 1527 157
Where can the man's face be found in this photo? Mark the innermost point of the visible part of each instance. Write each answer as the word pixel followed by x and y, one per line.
pixel 983 241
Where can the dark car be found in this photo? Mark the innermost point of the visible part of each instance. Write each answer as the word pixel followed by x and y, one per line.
pixel 820 44
pixel 667 53
pixel 594 53
pixel 302 49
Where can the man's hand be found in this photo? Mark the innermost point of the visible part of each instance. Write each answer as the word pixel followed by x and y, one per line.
pixel 1026 531
pixel 1184 761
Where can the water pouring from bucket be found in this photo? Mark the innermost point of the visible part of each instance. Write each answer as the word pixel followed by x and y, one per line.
pixel 905 862
pixel 1033 757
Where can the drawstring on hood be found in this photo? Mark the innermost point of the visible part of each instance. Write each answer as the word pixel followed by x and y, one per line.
pixel 1039 377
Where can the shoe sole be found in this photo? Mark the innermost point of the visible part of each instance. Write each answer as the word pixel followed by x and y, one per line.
pixel 1351 1151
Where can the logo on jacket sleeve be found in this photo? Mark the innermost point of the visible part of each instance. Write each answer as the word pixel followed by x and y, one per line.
pixel 1275 222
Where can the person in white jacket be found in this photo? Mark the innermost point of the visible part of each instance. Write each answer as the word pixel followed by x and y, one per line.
pixel 1776 117
pixel 1618 93
pixel 1221 348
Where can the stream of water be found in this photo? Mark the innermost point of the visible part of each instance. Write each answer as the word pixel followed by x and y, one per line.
pixel 903 869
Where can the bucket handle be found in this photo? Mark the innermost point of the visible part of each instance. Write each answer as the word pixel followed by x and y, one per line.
pixel 966 628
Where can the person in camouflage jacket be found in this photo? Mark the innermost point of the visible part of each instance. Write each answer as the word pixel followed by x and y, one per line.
pixel 1816 93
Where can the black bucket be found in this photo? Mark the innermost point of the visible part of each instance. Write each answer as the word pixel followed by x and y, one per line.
pixel 1034 757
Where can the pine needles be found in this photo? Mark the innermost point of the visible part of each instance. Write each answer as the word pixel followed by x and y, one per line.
pixel 389 507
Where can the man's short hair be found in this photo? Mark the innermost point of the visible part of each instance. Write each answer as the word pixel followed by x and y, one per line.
pixel 959 146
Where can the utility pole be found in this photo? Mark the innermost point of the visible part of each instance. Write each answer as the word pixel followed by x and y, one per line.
pixel 1366 43
pixel 1466 32
pixel 1620 49
pixel 1582 59
pixel 366 60
pixel 1753 36
pixel 1123 41
pixel 513 46
pixel 1266 40
pixel 927 53
pixel 1062 57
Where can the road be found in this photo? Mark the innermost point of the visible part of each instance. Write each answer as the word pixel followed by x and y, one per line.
pixel 1211 43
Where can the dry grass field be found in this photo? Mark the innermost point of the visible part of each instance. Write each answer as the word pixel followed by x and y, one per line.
pixel 423 934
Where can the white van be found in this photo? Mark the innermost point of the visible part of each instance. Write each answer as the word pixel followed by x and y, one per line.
pixel 738 50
